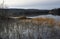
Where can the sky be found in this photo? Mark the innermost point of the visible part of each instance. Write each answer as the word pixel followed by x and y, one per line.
pixel 32 4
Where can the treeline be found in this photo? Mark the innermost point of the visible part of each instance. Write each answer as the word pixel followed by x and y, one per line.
pixel 22 12
pixel 28 12
pixel 55 11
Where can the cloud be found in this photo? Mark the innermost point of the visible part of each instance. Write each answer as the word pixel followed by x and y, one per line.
pixel 27 2
pixel 31 3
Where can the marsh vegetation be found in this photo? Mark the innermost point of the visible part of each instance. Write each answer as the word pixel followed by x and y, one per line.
pixel 34 28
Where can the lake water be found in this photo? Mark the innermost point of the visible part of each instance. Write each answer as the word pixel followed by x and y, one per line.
pixel 47 16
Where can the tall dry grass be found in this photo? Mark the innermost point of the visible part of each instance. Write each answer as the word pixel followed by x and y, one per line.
pixel 49 21
pixel 42 21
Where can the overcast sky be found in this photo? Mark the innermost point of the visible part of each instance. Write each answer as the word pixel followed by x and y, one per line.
pixel 32 4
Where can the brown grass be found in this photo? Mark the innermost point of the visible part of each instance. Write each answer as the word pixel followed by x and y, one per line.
pixel 49 21
pixel 42 21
